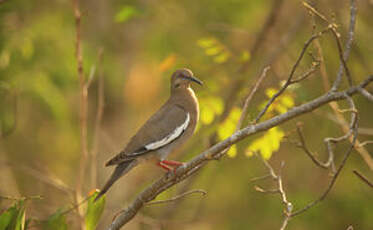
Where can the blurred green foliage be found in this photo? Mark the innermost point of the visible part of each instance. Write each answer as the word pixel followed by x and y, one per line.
pixel 143 43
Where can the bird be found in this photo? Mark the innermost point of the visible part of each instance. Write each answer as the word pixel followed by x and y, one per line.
pixel 164 132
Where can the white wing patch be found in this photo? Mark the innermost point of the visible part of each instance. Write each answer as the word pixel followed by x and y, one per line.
pixel 175 134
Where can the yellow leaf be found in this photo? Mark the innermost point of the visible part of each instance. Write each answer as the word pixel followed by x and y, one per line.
pixel 270 92
pixel 206 42
pixel 213 51
pixel 210 107
pixel 207 115
pixel 228 127
pixel 221 58
pixel 232 152
pixel 267 144
pixel 280 108
pixel 217 104
pixel 287 101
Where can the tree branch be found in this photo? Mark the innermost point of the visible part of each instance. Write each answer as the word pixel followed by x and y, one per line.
pixel 363 178
pixel 215 151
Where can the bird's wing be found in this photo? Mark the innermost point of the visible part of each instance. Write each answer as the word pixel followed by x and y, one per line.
pixel 164 127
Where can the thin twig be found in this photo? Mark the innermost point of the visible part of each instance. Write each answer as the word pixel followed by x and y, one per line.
pixel 353 127
pixel 343 56
pixel 308 152
pixel 290 78
pixel 99 114
pixel 288 206
pixel 83 91
pixel 363 178
pixel 307 73
pixel 250 96
pixel 178 197
pixel 367 94
pixel 38 197
pixel 350 39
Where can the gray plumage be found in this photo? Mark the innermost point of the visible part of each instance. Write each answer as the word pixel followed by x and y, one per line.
pixel 164 132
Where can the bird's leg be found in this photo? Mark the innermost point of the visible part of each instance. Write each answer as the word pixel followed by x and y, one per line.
pixel 165 166
pixel 172 163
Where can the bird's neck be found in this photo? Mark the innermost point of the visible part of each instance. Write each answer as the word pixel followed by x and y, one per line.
pixel 185 96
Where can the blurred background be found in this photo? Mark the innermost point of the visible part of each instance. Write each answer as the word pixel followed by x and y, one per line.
pixel 226 44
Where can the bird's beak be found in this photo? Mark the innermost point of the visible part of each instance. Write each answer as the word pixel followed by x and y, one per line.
pixel 196 80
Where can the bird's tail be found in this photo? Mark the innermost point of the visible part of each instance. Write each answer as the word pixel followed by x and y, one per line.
pixel 119 171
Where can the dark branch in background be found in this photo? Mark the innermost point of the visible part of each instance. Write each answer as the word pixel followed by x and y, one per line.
pixel 363 178
pixel 259 41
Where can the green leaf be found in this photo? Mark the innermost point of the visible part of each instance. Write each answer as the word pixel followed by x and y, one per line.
pixel 6 218
pixel 94 211
pixel 20 220
pixel 125 13
pixel 14 217
pixel 56 221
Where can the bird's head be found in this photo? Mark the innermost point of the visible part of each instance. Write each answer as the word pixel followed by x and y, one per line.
pixel 182 78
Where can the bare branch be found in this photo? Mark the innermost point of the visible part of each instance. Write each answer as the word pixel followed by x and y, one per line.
pixel 363 178
pixel 367 94
pixel 250 96
pixel 353 127
pixel 202 159
pixel 291 75
pixel 343 56
pixel 280 190
pixel 308 152
pixel 308 73
pixel 346 54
